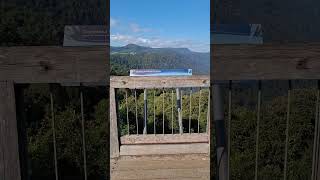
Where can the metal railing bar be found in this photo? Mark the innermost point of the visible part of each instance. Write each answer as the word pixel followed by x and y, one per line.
pixel 229 126
pixel 199 110
pixel 190 109
pixel 179 110
pixel 154 112
pixel 54 137
pixel 315 155
pixel 258 130
pixel 145 111
pixel 127 112
pixel 208 112
pixel 287 132
pixel 181 97
pixel 180 103
pixel 163 111
pixel 135 101
pixel 171 111
pixel 83 136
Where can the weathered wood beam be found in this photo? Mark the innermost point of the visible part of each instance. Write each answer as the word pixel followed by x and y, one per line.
pixel 165 139
pixel 53 64
pixel 265 62
pixel 114 138
pixel 158 149
pixel 159 82
pixel 43 64
pixel 9 150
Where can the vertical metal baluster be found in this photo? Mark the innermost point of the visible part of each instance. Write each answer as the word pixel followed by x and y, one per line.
pixel 154 112
pixel 287 133
pixel 135 100
pixel 83 137
pixel 258 130
pixel 315 155
pixel 179 110
pixel 208 113
pixel 145 111
pixel 127 112
pixel 229 126
pixel 190 109
pixel 171 111
pixel 199 110
pixel 181 93
pixel 163 111
pixel 54 137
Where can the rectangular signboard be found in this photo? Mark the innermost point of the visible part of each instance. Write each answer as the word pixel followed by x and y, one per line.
pixel 90 35
pixel 236 34
pixel 161 72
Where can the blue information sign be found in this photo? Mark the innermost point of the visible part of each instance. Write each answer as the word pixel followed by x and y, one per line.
pixel 161 72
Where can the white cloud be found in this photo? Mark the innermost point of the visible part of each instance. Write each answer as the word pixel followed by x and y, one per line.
pixel 136 28
pixel 160 43
pixel 113 22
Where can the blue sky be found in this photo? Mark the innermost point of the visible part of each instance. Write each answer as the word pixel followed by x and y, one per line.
pixel 161 23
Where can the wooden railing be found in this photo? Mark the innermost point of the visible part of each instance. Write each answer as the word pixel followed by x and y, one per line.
pixel 238 63
pixel 69 65
pixel 172 87
pixel 40 64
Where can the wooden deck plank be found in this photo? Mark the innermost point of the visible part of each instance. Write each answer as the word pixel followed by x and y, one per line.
pixel 146 167
pixel 162 173
pixel 172 164
pixel 136 150
pixel 165 139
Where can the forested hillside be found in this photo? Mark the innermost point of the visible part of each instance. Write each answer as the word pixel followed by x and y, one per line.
pixel 137 57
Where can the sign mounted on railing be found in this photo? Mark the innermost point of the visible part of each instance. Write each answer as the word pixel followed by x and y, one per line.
pixel 161 72
pixel 90 35
pixel 236 34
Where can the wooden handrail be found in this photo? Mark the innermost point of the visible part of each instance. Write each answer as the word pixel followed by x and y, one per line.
pixel 266 61
pixel 159 82
pixel 54 64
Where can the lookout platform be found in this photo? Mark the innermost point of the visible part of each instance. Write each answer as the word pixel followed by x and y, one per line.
pixel 170 146
pixel 177 167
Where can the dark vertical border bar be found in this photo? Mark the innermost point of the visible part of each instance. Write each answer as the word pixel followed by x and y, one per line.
pixel 258 131
pixel 22 134
pixel 107 23
pixel 213 174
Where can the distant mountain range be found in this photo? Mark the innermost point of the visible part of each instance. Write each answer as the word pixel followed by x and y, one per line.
pixel 133 56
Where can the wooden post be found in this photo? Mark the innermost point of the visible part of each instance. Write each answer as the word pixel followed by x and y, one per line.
pixel 114 138
pixel 179 110
pixel 9 150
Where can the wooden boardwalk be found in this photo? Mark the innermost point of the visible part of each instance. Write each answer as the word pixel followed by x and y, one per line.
pixel 177 167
